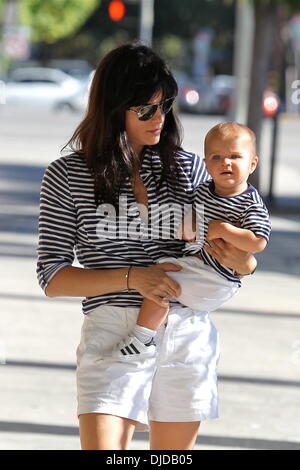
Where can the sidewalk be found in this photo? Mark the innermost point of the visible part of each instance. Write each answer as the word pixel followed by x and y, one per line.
pixel 259 369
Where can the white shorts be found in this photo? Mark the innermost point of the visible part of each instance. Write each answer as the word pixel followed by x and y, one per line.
pixel 202 288
pixel 179 383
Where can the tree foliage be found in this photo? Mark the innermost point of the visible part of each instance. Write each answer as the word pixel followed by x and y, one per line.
pixel 51 20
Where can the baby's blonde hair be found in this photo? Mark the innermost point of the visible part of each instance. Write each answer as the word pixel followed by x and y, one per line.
pixel 225 129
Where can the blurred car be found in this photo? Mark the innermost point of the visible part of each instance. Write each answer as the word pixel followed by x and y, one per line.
pixel 190 97
pixel 39 87
pixel 223 88
pixel 80 69
pixel 77 101
pixel 215 97
pixel 221 91
pixel 212 97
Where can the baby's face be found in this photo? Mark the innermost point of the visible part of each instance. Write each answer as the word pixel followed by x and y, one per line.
pixel 230 160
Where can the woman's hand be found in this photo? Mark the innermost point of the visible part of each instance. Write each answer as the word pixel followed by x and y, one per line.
pixel 240 261
pixel 153 282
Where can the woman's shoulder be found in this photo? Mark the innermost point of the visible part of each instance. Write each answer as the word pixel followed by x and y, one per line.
pixel 190 160
pixel 68 171
pixel 67 163
pixel 184 155
pixel 69 160
pixel 193 165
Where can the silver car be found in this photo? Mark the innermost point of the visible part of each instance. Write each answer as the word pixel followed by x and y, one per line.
pixel 77 101
pixel 39 87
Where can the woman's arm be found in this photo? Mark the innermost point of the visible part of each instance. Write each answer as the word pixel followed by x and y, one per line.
pixel 78 282
pixel 241 238
pixel 152 282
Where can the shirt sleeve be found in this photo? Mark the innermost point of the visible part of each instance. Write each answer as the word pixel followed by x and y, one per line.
pixel 57 223
pixel 198 174
pixel 256 219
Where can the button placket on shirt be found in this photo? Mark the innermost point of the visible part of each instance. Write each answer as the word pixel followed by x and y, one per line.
pixel 148 178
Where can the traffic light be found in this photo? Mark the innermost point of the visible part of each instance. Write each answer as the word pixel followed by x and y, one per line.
pixel 116 10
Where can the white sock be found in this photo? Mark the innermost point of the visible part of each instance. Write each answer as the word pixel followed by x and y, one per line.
pixel 144 335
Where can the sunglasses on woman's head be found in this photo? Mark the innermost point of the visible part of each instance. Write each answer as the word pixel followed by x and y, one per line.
pixel 147 112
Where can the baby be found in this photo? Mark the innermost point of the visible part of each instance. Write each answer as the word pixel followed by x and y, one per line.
pixel 225 207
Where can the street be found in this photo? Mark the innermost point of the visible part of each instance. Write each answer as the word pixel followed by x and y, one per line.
pixel 259 368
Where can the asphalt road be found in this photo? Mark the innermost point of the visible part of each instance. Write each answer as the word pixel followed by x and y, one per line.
pixel 36 136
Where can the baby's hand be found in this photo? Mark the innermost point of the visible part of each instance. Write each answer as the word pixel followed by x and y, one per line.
pixel 215 229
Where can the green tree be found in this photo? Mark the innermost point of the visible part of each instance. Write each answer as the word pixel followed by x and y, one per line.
pixel 51 20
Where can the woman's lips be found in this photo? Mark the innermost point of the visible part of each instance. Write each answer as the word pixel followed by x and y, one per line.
pixel 155 131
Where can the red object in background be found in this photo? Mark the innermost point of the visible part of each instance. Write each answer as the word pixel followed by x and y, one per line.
pixel 116 10
pixel 270 103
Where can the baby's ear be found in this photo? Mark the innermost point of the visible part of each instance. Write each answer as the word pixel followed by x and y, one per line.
pixel 254 163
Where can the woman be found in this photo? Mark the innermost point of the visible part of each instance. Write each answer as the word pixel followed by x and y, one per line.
pixel 127 159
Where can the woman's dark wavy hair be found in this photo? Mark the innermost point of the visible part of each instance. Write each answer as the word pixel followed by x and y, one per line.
pixel 129 75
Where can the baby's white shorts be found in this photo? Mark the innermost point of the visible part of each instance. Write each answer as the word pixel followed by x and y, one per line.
pixel 202 288
pixel 177 383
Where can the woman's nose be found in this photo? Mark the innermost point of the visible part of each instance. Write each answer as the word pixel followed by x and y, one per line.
pixel 159 115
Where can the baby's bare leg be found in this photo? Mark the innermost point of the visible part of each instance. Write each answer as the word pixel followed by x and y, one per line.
pixel 151 315
pixel 150 318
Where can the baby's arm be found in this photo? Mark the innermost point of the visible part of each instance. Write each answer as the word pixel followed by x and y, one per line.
pixel 239 237
pixel 151 315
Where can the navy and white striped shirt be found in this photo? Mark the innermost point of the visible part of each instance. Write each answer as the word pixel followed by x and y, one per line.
pixel 69 221
pixel 247 208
